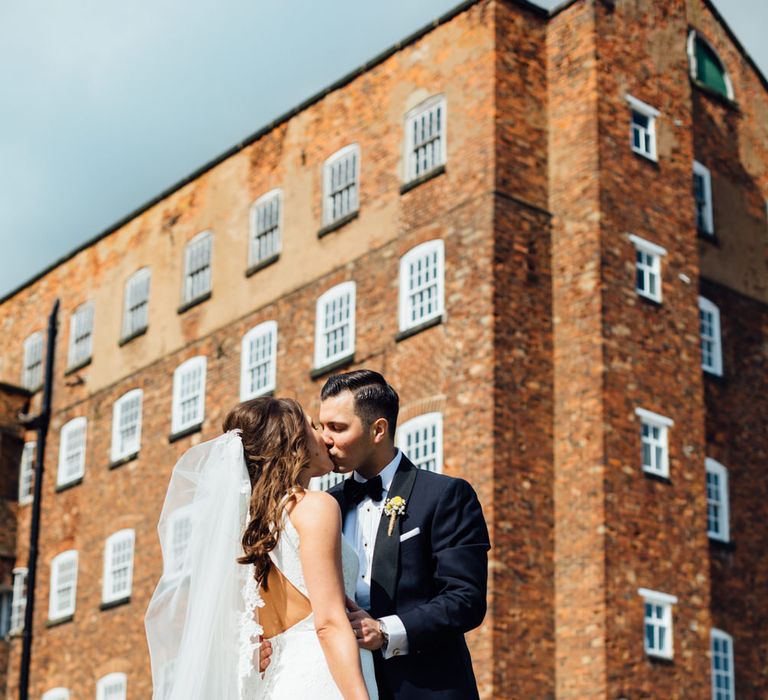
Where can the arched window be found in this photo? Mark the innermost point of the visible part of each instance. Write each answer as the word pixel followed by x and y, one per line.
pixel 706 66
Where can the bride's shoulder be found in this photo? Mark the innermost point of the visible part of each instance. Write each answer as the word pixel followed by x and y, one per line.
pixel 314 506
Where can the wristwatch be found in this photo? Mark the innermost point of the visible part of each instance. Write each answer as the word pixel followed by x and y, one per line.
pixel 384 634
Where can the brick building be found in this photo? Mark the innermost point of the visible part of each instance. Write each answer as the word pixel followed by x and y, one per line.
pixel 549 231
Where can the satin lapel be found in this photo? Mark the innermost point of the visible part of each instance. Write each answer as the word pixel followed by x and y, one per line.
pixel 386 555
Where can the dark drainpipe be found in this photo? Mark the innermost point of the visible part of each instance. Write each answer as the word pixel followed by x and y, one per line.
pixel 39 422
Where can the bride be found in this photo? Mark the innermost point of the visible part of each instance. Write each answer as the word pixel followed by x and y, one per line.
pixel 248 551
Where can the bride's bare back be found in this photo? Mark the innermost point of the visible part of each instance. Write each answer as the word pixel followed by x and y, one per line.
pixel 284 605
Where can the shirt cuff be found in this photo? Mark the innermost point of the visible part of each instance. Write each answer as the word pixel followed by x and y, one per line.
pixel 398 637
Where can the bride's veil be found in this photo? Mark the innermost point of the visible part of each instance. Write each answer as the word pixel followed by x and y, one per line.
pixel 201 622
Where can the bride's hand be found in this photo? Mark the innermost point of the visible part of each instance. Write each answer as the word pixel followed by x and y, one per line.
pixel 265 651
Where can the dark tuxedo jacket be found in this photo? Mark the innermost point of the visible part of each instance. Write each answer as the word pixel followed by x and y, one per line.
pixel 434 581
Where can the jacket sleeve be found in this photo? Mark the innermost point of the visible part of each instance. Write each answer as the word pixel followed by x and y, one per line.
pixel 460 547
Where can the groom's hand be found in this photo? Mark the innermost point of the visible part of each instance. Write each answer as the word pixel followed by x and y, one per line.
pixel 366 629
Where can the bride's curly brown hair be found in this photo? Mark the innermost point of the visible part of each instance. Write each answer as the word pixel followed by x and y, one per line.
pixel 274 438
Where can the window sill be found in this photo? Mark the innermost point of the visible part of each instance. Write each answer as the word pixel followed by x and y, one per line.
pixel 115 603
pixel 723 545
pixel 707 236
pixel 343 221
pixel 271 260
pixel 413 330
pixel 25 502
pixel 60 621
pixel 115 463
pixel 187 305
pixel 646 158
pixel 80 365
pixel 258 394
pixel 131 336
pixel 426 177
pixel 714 94
pixel 714 376
pixel 336 364
pixel 659 659
pixel 69 484
pixel 191 430
pixel 649 300
pixel 657 477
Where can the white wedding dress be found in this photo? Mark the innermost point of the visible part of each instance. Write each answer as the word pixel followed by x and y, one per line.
pixel 298 668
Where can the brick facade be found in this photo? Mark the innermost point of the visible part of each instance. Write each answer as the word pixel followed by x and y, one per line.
pixel 543 353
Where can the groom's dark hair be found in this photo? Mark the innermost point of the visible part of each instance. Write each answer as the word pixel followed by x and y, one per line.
pixel 374 398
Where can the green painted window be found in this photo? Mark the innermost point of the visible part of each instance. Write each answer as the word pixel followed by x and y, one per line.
pixel 709 69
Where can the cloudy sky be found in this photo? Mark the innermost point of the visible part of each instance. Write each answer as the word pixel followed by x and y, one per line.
pixel 106 104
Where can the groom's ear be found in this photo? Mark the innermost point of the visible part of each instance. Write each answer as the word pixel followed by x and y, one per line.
pixel 379 430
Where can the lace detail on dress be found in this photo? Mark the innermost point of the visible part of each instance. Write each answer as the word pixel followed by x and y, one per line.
pixel 249 632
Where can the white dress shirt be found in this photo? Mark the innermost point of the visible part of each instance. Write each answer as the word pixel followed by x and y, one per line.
pixel 361 525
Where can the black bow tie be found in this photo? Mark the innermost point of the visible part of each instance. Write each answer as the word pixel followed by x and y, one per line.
pixel 355 491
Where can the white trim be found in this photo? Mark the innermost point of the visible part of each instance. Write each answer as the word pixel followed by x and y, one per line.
pixel 193 364
pixel 322 358
pixel 648 267
pixel 202 245
pixel 646 245
pixel 665 601
pixel 720 693
pixel 19 600
pixel 657 596
pixel 73 426
pixel 350 151
pixel 642 107
pixel 136 301
pixel 693 64
pixel 132 448
pixel 651 114
pixel 60 560
pixel 421 252
pixel 120 537
pixel 56 694
pixel 415 427
pixel 435 102
pixel 654 418
pixel 111 679
pixel 658 448
pixel 81 318
pixel 264 203
pixel 266 329
pixel 27 473
pixel 709 221
pixel 326 481
pixel 714 467
pixel 716 367
pixel 33 361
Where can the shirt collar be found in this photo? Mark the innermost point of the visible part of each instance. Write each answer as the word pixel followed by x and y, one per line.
pixel 386 474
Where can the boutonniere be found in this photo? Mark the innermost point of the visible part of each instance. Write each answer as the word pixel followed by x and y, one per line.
pixel 393 507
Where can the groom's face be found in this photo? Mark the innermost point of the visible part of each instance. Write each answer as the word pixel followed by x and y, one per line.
pixel 346 437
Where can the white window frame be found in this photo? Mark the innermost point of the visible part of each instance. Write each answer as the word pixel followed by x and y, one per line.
pixel 693 64
pixel 650 270
pixel 265 241
pixel 724 638
pixel 80 335
pixel 64 445
pixel 120 450
pixel 19 602
pixel 708 224
pixel 27 473
pixel 322 357
pixel 716 339
pixel 56 694
pixel 201 245
pixel 663 424
pixel 647 133
pixel 110 679
pixel 721 502
pixel 665 601
pixel 407 303
pixel 265 334
pixel 54 612
pixel 6 607
pixel 326 481
pixel 171 559
pixel 136 302
pixel 194 364
pixel 111 567
pixel 437 102
pixel 32 368
pixel 334 194
pixel 414 427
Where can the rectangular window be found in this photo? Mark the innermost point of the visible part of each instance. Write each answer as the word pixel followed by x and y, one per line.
pixel 258 361
pixel 341 178
pixel 197 266
pixel 112 687
pixel 425 131
pixel 658 623
pixel 335 324
pixel 63 585
pixel 648 268
pixel 643 127
pixel 72 451
pixel 421 440
pixel 188 394
pixel 178 534
pixel 6 602
pixel 702 191
pixel 19 603
pixel 126 425
pixel 711 340
pixel 718 505
pixel 723 676
pixel 27 473
pixel 326 481
pixel 136 314
pixel 265 227
pixel 422 284
pixel 655 442
pixel 118 566
pixel 81 335
pixel 32 374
